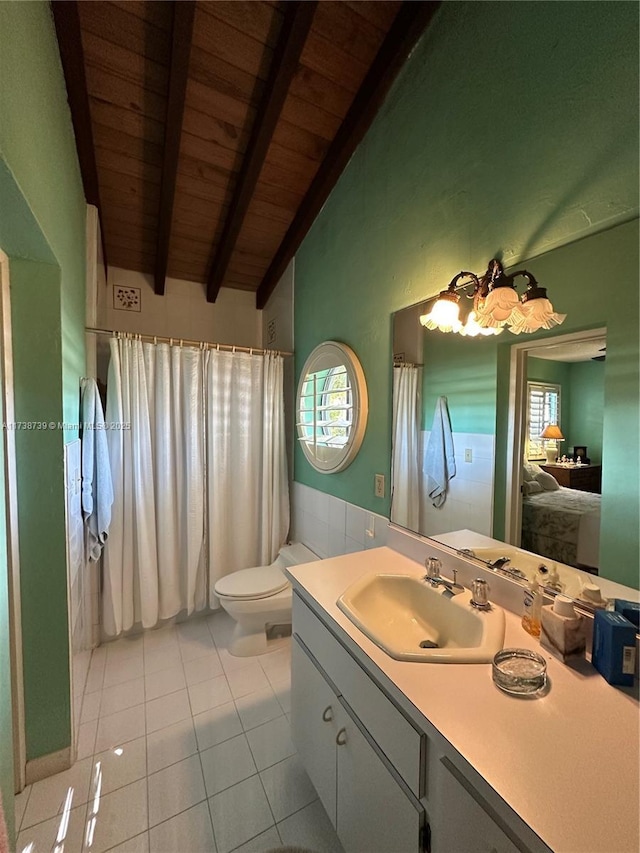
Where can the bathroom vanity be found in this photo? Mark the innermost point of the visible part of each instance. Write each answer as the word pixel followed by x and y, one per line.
pixel 411 756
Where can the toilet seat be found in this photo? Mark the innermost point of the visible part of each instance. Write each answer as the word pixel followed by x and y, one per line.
pixel 259 582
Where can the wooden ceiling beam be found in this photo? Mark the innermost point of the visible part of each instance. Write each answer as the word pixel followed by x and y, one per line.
pixel 297 21
pixel 409 24
pixel 181 38
pixel 66 18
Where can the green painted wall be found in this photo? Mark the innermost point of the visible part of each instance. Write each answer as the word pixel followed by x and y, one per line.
pixel 43 219
pixel 586 414
pixel 532 150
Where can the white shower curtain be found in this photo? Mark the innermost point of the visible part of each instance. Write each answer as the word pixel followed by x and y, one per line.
pixel 203 460
pixel 248 493
pixel 405 469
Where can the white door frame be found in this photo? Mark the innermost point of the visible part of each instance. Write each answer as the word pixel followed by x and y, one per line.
pixel 517 422
pixel 11 516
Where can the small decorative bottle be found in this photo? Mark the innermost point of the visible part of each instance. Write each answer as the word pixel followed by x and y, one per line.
pixel 532 605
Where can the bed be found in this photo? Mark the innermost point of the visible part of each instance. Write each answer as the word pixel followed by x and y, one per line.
pixel 564 525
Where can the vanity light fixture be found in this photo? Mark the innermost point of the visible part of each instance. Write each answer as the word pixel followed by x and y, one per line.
pixel 496 305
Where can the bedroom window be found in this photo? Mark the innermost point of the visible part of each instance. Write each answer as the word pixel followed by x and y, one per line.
pixel 543 408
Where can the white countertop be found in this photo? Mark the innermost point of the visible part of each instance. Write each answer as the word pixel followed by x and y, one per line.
pixel 567 762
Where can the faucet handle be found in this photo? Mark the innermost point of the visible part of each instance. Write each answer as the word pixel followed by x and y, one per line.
pixel 433 567
pixel 480 594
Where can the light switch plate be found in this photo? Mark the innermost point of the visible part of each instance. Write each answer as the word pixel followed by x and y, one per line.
pixel 468 455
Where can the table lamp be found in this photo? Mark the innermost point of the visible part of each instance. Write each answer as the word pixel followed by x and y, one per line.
pixel 552 435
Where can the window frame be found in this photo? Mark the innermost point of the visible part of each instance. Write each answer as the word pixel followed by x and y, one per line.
pixel 315 409
pixel 545 387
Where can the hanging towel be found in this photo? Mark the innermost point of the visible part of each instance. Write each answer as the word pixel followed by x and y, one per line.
pixel 97 487
pixel 439 463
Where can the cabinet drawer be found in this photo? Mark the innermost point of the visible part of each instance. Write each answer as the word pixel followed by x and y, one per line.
pixel 393 733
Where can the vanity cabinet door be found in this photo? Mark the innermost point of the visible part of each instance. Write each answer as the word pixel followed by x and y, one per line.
pixel 374 814
pixel 465 821
pixel 315 716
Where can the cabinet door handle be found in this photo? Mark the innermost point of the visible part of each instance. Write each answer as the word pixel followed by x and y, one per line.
pixel 341 737
pixel 327 714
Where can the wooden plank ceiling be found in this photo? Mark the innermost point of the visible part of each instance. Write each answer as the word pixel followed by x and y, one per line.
pixel 216 130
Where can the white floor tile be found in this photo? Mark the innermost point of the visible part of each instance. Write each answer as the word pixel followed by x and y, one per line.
pixel 164 658
pixel 217 725
pixel 282 690
pixel 19 805
pixel 230 662
pixel 196 647
pixel 163 682
pixel 137 844
pixel 167 710
pixel 119 728
pixel 48 797
pixel 226 764
pixel 43 836
pixel 170 745
pixel 123 765
pixel 175 789
pixel 116 817
pixel 188 832
pixel 127 647
pixel 209 694
pixel 288 787
pixel 121 696
pixel 95 676
pixel 271 742
pixel 203 668
pixel 192 629
pixel 247 680
pixel 221 626
pixel 310 828
pixel 258 708
pixel 239 814
pixel 265 841
pixel 86 739
pixel 91 707
pixel 117 671
pixel 160 639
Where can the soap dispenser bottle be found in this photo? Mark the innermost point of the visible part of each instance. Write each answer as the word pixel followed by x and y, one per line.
pixel 532 606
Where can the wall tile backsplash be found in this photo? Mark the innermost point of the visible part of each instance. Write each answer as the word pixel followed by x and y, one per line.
pixel 330 526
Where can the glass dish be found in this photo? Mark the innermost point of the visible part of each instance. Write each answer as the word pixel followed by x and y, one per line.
pixel 519 672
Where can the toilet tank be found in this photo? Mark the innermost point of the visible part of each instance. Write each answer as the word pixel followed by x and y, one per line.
pixel 295 554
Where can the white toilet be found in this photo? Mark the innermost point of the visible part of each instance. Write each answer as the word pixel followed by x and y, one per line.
pixel 259 597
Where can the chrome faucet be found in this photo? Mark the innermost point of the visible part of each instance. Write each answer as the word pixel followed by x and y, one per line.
pixel 435 579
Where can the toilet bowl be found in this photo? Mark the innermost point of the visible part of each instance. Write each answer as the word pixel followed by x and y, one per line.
pixel 259 597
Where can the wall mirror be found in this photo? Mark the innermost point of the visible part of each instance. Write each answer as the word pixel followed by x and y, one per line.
pixel 561 379
pixel 332 407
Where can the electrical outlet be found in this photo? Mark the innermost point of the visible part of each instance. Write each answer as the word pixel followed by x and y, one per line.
pixel 468 455
pixel 379 486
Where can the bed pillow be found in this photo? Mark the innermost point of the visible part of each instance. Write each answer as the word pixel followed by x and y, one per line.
pixel 531 487
pixel 547 481
pixel 530 471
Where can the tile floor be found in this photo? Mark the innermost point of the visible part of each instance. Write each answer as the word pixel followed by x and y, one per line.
pixel 183 748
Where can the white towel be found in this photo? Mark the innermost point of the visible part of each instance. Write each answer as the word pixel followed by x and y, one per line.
pixel 439 463
pixel 97 487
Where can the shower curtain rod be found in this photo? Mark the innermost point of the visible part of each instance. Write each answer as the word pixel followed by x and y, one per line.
pixel 184 342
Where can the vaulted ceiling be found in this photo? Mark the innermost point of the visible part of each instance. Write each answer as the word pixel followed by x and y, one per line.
pixel 211 133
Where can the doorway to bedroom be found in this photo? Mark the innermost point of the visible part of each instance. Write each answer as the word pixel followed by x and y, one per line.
pixel 555 447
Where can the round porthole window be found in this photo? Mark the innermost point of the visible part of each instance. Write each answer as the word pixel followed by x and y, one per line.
pixel 332 407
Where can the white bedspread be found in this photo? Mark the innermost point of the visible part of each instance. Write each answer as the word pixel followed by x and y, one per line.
pixel 563 525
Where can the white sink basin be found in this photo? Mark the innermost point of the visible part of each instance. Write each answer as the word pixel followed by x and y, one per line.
pixel 399 612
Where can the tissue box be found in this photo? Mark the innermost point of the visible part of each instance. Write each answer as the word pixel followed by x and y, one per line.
pixel 629 609
pixel 614 647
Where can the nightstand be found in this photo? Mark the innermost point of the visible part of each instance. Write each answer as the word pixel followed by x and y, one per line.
pixel 585 478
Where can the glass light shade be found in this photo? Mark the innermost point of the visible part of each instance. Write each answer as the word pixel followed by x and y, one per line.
pixel 445 315
pixel 536 314
pixel 500 306
pixel 472 328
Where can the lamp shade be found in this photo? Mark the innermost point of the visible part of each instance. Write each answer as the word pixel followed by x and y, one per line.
pixel 552 431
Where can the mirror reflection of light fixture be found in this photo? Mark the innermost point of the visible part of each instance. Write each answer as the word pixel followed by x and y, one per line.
pixel 552 435
pixel 496 305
